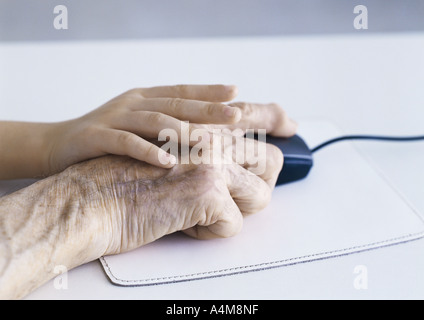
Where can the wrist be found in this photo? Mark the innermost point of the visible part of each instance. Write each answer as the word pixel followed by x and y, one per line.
pixel 75 223
pixel 56 139
pixel 26 149
pixel 42 227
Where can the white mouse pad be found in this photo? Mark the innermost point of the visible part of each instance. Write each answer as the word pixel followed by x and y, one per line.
pixel 343 206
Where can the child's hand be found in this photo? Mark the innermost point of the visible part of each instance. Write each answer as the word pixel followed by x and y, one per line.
pixel 124 126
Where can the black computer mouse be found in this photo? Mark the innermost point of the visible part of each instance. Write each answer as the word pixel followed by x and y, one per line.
pixel 298 159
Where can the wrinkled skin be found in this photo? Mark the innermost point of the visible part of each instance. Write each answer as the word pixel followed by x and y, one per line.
pixel 143 203
pixel 114 204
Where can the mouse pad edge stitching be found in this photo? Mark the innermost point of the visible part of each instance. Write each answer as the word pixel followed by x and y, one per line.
pixel 261 266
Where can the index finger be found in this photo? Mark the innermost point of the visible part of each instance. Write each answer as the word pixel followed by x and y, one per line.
pixel 257 157
pixel 250 192
pixel 262 159
pixel 270 117
pixel 211 93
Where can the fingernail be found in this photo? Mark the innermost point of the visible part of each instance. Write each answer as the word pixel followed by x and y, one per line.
pixel 233 112
pixel 168 159
pixel 172 158
pixel 230 111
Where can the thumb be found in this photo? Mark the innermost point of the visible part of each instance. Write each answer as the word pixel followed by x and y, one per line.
pixel 229 223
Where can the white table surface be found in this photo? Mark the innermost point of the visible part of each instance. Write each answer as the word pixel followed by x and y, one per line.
pixel 364 83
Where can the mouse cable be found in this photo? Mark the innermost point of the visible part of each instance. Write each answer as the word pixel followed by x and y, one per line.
pixel 367 137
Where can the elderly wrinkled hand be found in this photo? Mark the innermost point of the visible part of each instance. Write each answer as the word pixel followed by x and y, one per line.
pixel 136 188
pixel 114 204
